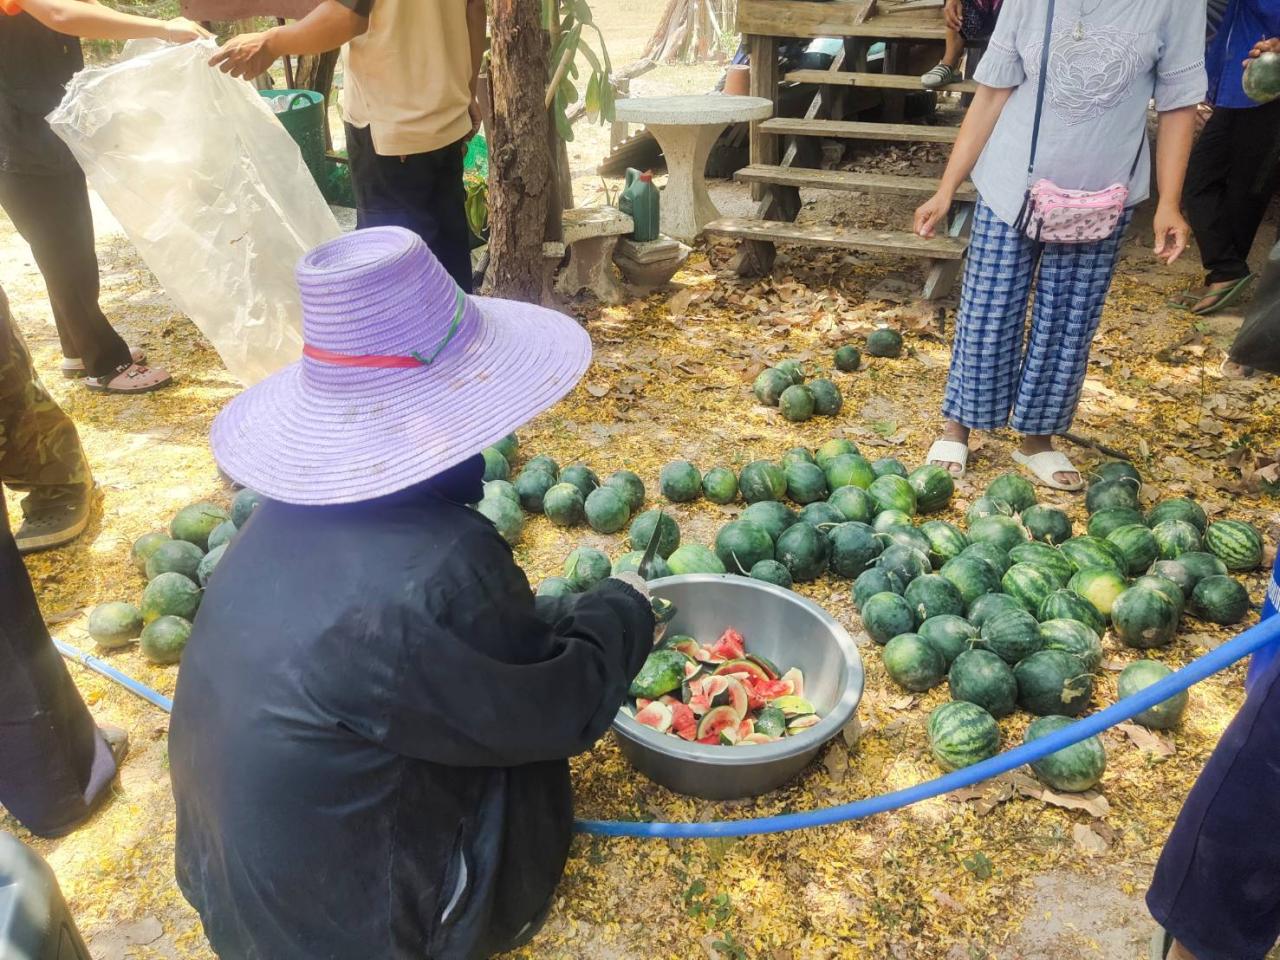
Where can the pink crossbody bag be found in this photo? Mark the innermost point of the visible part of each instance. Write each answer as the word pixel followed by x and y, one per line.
pixel 1053 214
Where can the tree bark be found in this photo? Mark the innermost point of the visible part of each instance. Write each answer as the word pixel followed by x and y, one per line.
pixel 316 73
pixel 521 175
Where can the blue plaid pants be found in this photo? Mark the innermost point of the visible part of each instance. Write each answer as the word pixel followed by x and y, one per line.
pixel 997 367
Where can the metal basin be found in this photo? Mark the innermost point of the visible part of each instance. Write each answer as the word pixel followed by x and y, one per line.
pixel 783 626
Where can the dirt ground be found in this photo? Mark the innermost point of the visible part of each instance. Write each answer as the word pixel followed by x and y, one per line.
pixel 997 873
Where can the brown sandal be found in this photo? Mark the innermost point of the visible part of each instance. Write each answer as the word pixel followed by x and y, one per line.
pixel 132 378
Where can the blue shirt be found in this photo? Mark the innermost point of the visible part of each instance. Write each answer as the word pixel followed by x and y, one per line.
pixel 1244 24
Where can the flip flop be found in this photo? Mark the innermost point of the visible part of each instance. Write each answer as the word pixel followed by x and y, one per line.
pixel 1224 297
pixel 1045 464
pixel 1187 298
pixel 949 451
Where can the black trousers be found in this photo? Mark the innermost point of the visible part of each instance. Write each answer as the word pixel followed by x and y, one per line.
pixel 422 192
pixel 52 214
pixel 54 764
pixel 1233 173
pixel 1216 887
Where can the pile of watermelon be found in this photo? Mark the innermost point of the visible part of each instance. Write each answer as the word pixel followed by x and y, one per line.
pixel 719 695
pixel 813 512
pixel 177 565
pixel 797 398
pixel 1011 613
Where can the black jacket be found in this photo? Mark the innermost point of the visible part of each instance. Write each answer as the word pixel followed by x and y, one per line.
pixel 370 730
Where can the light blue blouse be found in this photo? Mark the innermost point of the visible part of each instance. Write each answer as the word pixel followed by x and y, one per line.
pixel 1106 59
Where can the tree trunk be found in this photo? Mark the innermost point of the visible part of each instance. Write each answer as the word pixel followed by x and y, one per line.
pixel 520 169
pixel 316 73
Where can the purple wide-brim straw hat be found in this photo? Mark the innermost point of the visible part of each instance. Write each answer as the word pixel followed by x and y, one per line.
pixel 402 376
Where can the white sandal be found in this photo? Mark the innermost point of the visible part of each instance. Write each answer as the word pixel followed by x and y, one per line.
pixel 949 451
pixel 1045 464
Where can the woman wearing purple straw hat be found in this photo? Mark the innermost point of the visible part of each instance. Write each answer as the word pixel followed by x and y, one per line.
pixel 370 731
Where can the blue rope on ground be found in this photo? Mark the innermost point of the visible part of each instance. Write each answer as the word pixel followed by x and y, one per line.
pixel 1212 662
pixel 104 668
pixel 1253 639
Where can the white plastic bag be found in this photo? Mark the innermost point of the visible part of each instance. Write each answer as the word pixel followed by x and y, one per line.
pixel 210 188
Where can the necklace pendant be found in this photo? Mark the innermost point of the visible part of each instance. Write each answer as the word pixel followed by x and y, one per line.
pixel 1078 33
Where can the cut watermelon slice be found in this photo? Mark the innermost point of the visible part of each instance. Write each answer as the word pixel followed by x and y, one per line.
pixel 656 715
pixel 683 722
pixel 730 646
pixel 797 681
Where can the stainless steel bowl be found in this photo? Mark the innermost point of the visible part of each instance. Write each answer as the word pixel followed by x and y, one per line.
pixel 778 624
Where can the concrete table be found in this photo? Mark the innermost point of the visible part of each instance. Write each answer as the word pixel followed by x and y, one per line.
pixel 687 128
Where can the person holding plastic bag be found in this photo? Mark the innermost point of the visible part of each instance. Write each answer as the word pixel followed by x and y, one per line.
pixel 409 104
pixel 43 190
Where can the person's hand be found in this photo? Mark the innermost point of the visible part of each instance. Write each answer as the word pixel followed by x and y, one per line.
pixel 932 212
pixel 1264 46
pixel 473 109
pixel 247 56
pixel 1172 232
pixel 182 30
pixel 1203 114
pixel 953 12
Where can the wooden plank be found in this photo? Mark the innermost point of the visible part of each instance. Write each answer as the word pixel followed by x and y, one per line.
pixel 848 181
pixel 899 242
pixel 944 273
pixel 881 81
pixel 857 130
pixel 800 18
pixel 764 83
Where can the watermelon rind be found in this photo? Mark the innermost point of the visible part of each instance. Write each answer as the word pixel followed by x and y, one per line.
pixel 962 734
pixel 1072 769
pixel 663 672
pixel 981 677
pixel 913 663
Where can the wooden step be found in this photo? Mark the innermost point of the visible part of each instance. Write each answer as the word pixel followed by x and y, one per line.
pixel 838 18
pixel 859 130
pixel 900 242
pixel 881 81
pixel 848 181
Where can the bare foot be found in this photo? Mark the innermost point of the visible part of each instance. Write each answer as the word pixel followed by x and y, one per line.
pixel 1032 445
pixel 957 433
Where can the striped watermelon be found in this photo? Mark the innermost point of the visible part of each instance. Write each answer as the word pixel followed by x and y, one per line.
pixel 1004 532
pixel 1179 508
pixel 1110 494
pixel 1138 544
pixel 1074 639
pixel 962 734
pixel 933 595
pixel 989 606
pixel 913 662
pixel 1012 636
pixel 934 487
pixel 950 635
pixel 1143 673
pixel 1014 490
pixel 1087 552
pixel 1175 537
pixel 1100 586
pixel 995 555
pixel 1144 618
pixel 1046 524
pixel 979 676
pixel 972 577
pixel 1072 769
pixel 1104 521
pixel 893 493
pixel 987 507
pixel 1026 584
pixel 946 541
pixel 1236 543
pixel 1052 682
pixel 1069 605
pixel 1049 561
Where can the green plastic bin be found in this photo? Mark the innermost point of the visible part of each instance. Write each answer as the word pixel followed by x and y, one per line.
pixel 303 117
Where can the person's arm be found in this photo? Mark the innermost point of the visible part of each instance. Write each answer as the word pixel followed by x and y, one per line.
pixel 1180 87
pixel 92 21
pixel 325 28
pixel 498 678
pixel 477 31
pixel 979 120
pixel 1173 150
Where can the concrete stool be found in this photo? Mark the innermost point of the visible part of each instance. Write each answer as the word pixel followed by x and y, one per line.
pixel 651 264
pixel 591 234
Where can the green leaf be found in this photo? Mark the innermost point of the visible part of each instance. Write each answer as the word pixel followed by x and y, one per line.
pixel 549 8
pixel 581 10
pixel 592 102
pixel 568 91
pixel 563 126
pixel 979 865
pixel 591 57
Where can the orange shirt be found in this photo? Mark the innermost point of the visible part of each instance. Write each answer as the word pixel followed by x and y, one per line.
pixel 11 7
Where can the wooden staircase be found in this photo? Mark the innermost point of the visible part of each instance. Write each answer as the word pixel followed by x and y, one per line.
pixel 775 179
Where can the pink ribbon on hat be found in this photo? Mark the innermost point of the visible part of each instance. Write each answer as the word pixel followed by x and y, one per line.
pixel 382 361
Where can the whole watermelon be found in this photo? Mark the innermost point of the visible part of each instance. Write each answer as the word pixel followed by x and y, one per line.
pixel 114 625
pixel 1012 636
pixel 848 358
pixel 1072 769
pixel 1112 494
pixel 1175 537
pixel 194 523
pixel 1101 586
pixel 581 476
pixel 771 571
pixel 933 485
pixel 772 515
pixel 853 502
pixel 1069 605
pixel 564 505
pixel 630 487
pixel 1179 508
pixel 962 734
pixel 873 581
pixel 848 470
pixel 694 558
pixel 585 567
pixel 804 551
pixel 607 510
pixel 1046 524
pixel 946 541
pixel 835 447
pixel 950 635
pixel 886 615
pixel 931 596
pixel 989 606
pixel 1004 532
pixel 1044 558
pixel 1015 491
pixel 1075 639
pixel 1103 523
pixel 981 677
pixel 806 483
pixel 740 545
pixel 892 492
pixel 495 464
pixel 1144 618
pixel 762 480
pixel 854 547
pixel 971 576
pixel 904 562
pixel 827 399
pixel 913 663
pixel 884 342
pixel 243 504
pixel 770 384
pixel 170 594
pixel 1028 585
pixel 720 485
pixel 796 403
pixel 1237 544
pixel 1139 546
pixel 1051 682
pixel 643 526
pixel 680 482
pixel 1141 674
pixel 889 465
pixel 1220 600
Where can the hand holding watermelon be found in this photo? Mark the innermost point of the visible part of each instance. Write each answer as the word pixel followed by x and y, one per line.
pixel 1262 71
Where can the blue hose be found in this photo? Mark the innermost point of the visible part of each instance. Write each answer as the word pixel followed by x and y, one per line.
pixel 104 668
pixel 1266 632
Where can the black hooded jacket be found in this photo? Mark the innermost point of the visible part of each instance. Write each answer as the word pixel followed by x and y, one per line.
pixel 370 731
